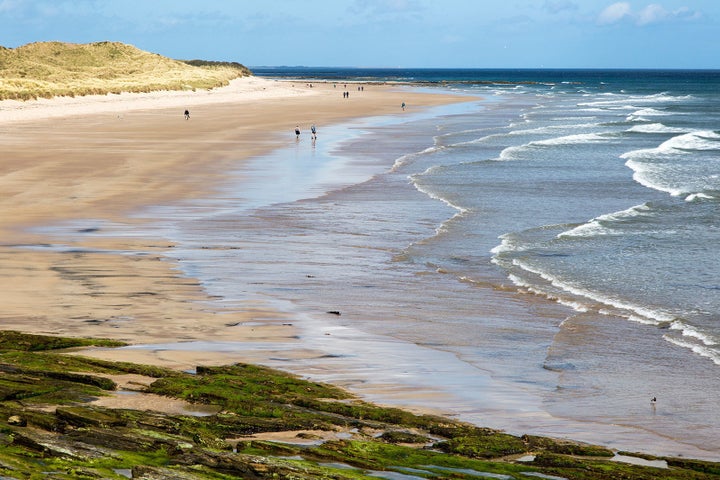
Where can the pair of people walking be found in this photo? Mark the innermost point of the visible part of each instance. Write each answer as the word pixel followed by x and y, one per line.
pixel 313 132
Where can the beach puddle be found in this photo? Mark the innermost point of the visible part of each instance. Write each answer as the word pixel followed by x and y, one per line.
pixel 468 471
pixel 542 475
pixel 640 461
pixel 393 476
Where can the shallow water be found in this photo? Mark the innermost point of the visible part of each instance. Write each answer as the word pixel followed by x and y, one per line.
pixel 497 260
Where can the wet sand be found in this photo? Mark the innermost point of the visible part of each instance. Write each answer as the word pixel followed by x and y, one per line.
pixel 103 158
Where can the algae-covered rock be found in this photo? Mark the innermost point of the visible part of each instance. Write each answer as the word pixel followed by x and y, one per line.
pixel 66 437
pixel 566 447
pixel 89 417
pixel 18 341
pixel 144 472
pixel 482 443
pixel 395 436
pixel 257 467
pixel 129 440
pixel 54 445
pixel 210 441
pixel 712 468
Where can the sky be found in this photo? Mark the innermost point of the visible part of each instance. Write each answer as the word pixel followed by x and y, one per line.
pixel 387 33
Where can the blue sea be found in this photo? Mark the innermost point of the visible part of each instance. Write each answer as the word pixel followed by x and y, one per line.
pixel 540 258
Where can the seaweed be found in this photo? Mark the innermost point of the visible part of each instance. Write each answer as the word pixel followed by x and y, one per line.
pixel 52 429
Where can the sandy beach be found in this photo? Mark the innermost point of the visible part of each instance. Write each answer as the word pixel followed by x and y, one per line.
pixel 223 239
pixel 106 157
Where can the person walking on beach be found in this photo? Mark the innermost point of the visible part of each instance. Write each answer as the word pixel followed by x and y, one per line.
pixel 297 132
pixel 403 106
pixel 313 132
pixel 187 114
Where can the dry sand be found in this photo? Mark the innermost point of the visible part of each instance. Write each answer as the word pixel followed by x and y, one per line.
pixel 105 157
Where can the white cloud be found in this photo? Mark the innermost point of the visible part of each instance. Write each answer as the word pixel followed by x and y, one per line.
pixel 652 13
pixel 614 13
pixel 684 13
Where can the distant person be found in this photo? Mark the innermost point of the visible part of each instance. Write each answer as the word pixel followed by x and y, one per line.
pixel 403 105
pixel 297 132
pixel 187 114
pixel 313 132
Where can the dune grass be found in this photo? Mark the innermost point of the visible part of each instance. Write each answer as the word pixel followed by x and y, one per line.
pixel 52 69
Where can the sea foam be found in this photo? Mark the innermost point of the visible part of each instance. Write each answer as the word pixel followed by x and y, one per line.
pixel 702 350
pixel 511 153
pixel 655 128
pixel 619 307
pixel 599 225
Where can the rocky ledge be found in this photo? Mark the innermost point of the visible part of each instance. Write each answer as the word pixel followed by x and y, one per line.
pixel 57 421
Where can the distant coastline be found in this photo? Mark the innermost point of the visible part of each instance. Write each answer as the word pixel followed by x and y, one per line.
pixel 473 76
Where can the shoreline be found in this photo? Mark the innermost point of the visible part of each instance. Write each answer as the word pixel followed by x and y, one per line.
pixel 188 317
pixel 101 159
pixel 105 157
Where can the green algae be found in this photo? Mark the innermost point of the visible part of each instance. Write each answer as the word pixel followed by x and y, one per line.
pixel 49 429
pixel 17 341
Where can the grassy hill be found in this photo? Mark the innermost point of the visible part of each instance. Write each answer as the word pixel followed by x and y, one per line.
pixel 50 69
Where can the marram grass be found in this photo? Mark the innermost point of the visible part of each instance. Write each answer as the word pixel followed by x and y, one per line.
pixel 53 69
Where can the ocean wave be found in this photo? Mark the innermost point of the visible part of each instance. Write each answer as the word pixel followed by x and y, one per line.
pixel 458 133
pixel 410 157
pixel 692 332
pixel 549 129
pixel 577 139
pixel 460 211
pixel 651 112
pixel 624 101
pixel 645 114
pixel 702 350
pixel 577 306
pixel 655 128
pixel 598 225
pixel 507 244
pixel 653 167
pixel 703 140
pixel 643 173
pixel 651 177
pixel 695 197
pixel 415 180
pixel 611 305
pixel 510 153
pixel 577 119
